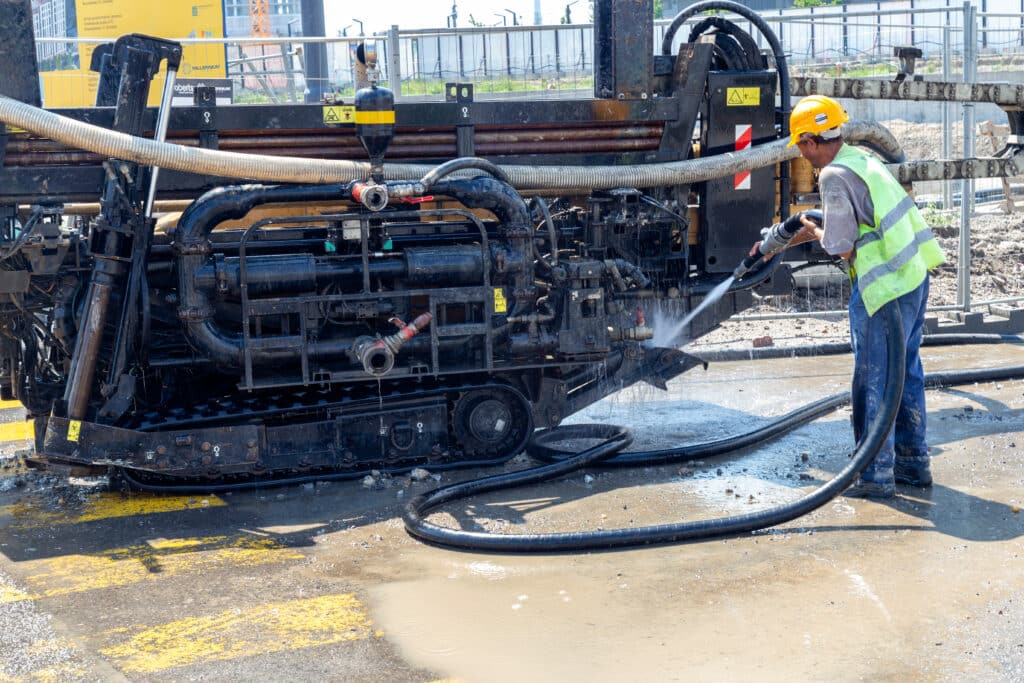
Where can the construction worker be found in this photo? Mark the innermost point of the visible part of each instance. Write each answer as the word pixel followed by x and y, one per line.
pixel 871 221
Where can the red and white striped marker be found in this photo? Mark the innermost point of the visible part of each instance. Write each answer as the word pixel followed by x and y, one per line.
pixel 744 136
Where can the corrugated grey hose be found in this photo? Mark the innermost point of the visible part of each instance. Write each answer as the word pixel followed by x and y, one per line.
pixel 276 169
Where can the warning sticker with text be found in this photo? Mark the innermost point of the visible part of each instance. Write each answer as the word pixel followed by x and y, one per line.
pixel 500 302
pixel 742 97
pixel 340 114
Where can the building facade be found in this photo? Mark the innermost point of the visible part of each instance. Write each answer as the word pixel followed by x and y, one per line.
pixel 281 14
pixel 55 19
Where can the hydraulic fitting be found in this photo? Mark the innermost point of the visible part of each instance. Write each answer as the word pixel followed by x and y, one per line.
pixel 371 195
pixel 378 355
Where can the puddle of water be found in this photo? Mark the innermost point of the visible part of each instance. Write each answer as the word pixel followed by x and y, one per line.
pixel 654 615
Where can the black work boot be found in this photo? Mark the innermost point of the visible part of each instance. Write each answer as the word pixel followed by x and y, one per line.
pixel 914 471
pixel 876 484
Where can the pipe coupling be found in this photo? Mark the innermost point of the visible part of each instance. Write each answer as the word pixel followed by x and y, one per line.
pixel 378 355
pixel 371 195
pixel 376 358
pixel 635 333
pixel 400 189
pixel 405 332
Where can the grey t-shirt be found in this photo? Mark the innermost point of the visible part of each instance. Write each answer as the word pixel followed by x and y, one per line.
pixel 847 204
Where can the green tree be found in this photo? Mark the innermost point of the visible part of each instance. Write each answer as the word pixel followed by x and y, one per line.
pixel 816 3
pixel 659 9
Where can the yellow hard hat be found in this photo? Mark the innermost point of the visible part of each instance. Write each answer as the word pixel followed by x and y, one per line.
pixel 815 114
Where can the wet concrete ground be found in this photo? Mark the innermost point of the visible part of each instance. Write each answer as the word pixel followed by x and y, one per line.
pixel 323 583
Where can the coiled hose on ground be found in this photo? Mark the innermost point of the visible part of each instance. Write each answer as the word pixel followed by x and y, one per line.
pixel 608 454
pixel 617 439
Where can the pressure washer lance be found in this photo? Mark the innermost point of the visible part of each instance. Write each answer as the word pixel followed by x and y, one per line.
pixel 776 238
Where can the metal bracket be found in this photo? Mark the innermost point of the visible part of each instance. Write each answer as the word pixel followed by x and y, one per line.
pixel 907 55
pixel 205 97
pixel 458 92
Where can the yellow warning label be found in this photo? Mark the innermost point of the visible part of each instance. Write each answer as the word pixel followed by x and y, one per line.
pixel 742 97
pixel 74 427
pixel 500 303
pixel 371 117
pixel 339 114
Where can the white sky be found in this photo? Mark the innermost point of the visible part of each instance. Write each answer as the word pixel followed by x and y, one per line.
pixel 379 15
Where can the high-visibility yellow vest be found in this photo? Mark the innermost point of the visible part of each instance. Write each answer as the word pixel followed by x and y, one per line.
pixel 892 258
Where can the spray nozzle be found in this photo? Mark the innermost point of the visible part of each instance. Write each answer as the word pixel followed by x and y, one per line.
pixel 776 238
pixel 745 265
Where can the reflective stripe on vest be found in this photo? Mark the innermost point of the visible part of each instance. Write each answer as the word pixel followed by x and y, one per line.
pixel 893 257
pixel 889 220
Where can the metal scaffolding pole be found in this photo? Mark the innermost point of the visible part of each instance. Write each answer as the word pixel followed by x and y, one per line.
pixel 947 116
pixel 967 185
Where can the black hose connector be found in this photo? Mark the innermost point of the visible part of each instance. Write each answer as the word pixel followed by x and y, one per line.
pixel 461 164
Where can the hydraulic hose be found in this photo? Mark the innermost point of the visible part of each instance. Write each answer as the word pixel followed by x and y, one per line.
pixel 461 164
pixel 538 202
pixel 265 168
pixel 417 525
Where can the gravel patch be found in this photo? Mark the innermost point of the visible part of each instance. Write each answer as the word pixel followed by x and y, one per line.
pixel 27 640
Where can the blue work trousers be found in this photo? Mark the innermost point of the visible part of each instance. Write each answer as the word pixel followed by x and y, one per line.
pixel 867 335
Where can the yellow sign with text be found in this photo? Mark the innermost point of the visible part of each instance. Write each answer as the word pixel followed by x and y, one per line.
pixel 742 97
pixel 110 19
pixel 338 114
pixel 74 429
pixel 500 302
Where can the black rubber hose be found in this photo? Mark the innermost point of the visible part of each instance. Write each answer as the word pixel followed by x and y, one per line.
pixel 538 202
pixel 257 484
pixel 873 440
pixel 460 164
pixel 729 54
pixel 751 54
pixel 539 449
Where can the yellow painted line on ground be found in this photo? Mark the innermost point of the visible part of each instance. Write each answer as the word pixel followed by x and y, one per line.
pixel 10 404
pixel 16 431
pixel 274 627
pixel 153 561
pixel 9 593
pixel 29 514
pixel 57 673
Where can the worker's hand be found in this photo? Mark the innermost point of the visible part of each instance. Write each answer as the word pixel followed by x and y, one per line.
pixel 753 249
pixel 809 232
